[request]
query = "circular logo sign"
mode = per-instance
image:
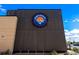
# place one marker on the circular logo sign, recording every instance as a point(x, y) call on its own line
point(39, 20)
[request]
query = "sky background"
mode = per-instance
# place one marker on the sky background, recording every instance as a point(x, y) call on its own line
point(70, 15)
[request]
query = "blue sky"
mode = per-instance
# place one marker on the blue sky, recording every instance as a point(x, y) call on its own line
point(70, 14)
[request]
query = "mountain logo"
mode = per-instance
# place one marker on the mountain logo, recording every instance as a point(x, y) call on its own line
point(40, 20)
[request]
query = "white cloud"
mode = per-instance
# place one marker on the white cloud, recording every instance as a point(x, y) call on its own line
point(0, 6)
point(75, 31)
point(2, 9)
point(76, 20)
point(72, 35)
point(65, 21)
point(67, 33)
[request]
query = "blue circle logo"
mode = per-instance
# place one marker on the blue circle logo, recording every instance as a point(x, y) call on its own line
point(40, 20)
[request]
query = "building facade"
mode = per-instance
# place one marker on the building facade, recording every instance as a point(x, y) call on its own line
point(39, 30)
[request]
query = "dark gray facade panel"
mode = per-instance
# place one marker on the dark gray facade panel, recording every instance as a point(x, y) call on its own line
point(49, 38)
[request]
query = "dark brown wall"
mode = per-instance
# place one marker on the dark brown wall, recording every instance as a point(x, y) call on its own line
point(48, 38)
